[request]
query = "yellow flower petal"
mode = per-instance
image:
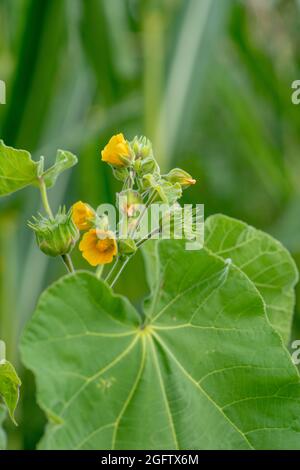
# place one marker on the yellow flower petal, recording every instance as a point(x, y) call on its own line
point(82, 215)
point(98, 247)
point(117, 151)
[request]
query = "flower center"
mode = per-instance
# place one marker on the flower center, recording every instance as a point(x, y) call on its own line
point(104, 245)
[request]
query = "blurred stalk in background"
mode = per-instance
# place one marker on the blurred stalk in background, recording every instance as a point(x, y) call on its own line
point(208, 81)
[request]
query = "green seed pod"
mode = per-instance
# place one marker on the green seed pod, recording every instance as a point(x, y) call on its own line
point(55, 237)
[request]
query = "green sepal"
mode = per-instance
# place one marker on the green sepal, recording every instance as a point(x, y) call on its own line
point(177, 175)
point(121, 173)
point(141, 147)
point(55, 237)
point(166, 192)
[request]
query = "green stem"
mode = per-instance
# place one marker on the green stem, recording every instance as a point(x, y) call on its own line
point(119, 266)
point(120, 263)
point(68, 263)
point(128, 183)
point(45, 200)
point(149, 236)
point(43, 190)
point(148, 203)
point(99, 271)
point(112, 270)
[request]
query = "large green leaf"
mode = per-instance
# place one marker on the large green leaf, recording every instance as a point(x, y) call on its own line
point(2, 433)
point(9, 386)
point(206, 371)
point(265, 261)
point(17, 169)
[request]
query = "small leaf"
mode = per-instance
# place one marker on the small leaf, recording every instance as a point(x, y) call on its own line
point(206, 370)
point(263, 259)
point(2, 433)
point(17, 169)
point(9, 387)
point(64, 161)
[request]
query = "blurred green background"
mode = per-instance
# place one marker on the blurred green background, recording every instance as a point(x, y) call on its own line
point(208, 81)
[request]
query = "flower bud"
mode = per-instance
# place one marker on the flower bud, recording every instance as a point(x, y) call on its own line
point(145, 166)
point(150, 181)
point(127, 246)
point(58, 236)
point(177, 175)
point(83, 215)
point(141, 147)
point(118, 152)
point(144, 161)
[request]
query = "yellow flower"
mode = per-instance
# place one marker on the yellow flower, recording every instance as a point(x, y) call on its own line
point(98, 247)
point(82, 215)
point(117, 151)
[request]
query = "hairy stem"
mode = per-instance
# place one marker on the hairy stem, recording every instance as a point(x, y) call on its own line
point(45, 200)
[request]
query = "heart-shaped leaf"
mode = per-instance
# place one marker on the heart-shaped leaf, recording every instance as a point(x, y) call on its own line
point(64, 161)
point(265, 261)
point(17, 169)
point(9, 386)
point(204, 369)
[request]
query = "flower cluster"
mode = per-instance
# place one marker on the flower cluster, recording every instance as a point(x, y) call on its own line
point(133, 163)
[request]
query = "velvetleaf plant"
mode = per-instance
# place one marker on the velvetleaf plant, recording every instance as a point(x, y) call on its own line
point(204, 366)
